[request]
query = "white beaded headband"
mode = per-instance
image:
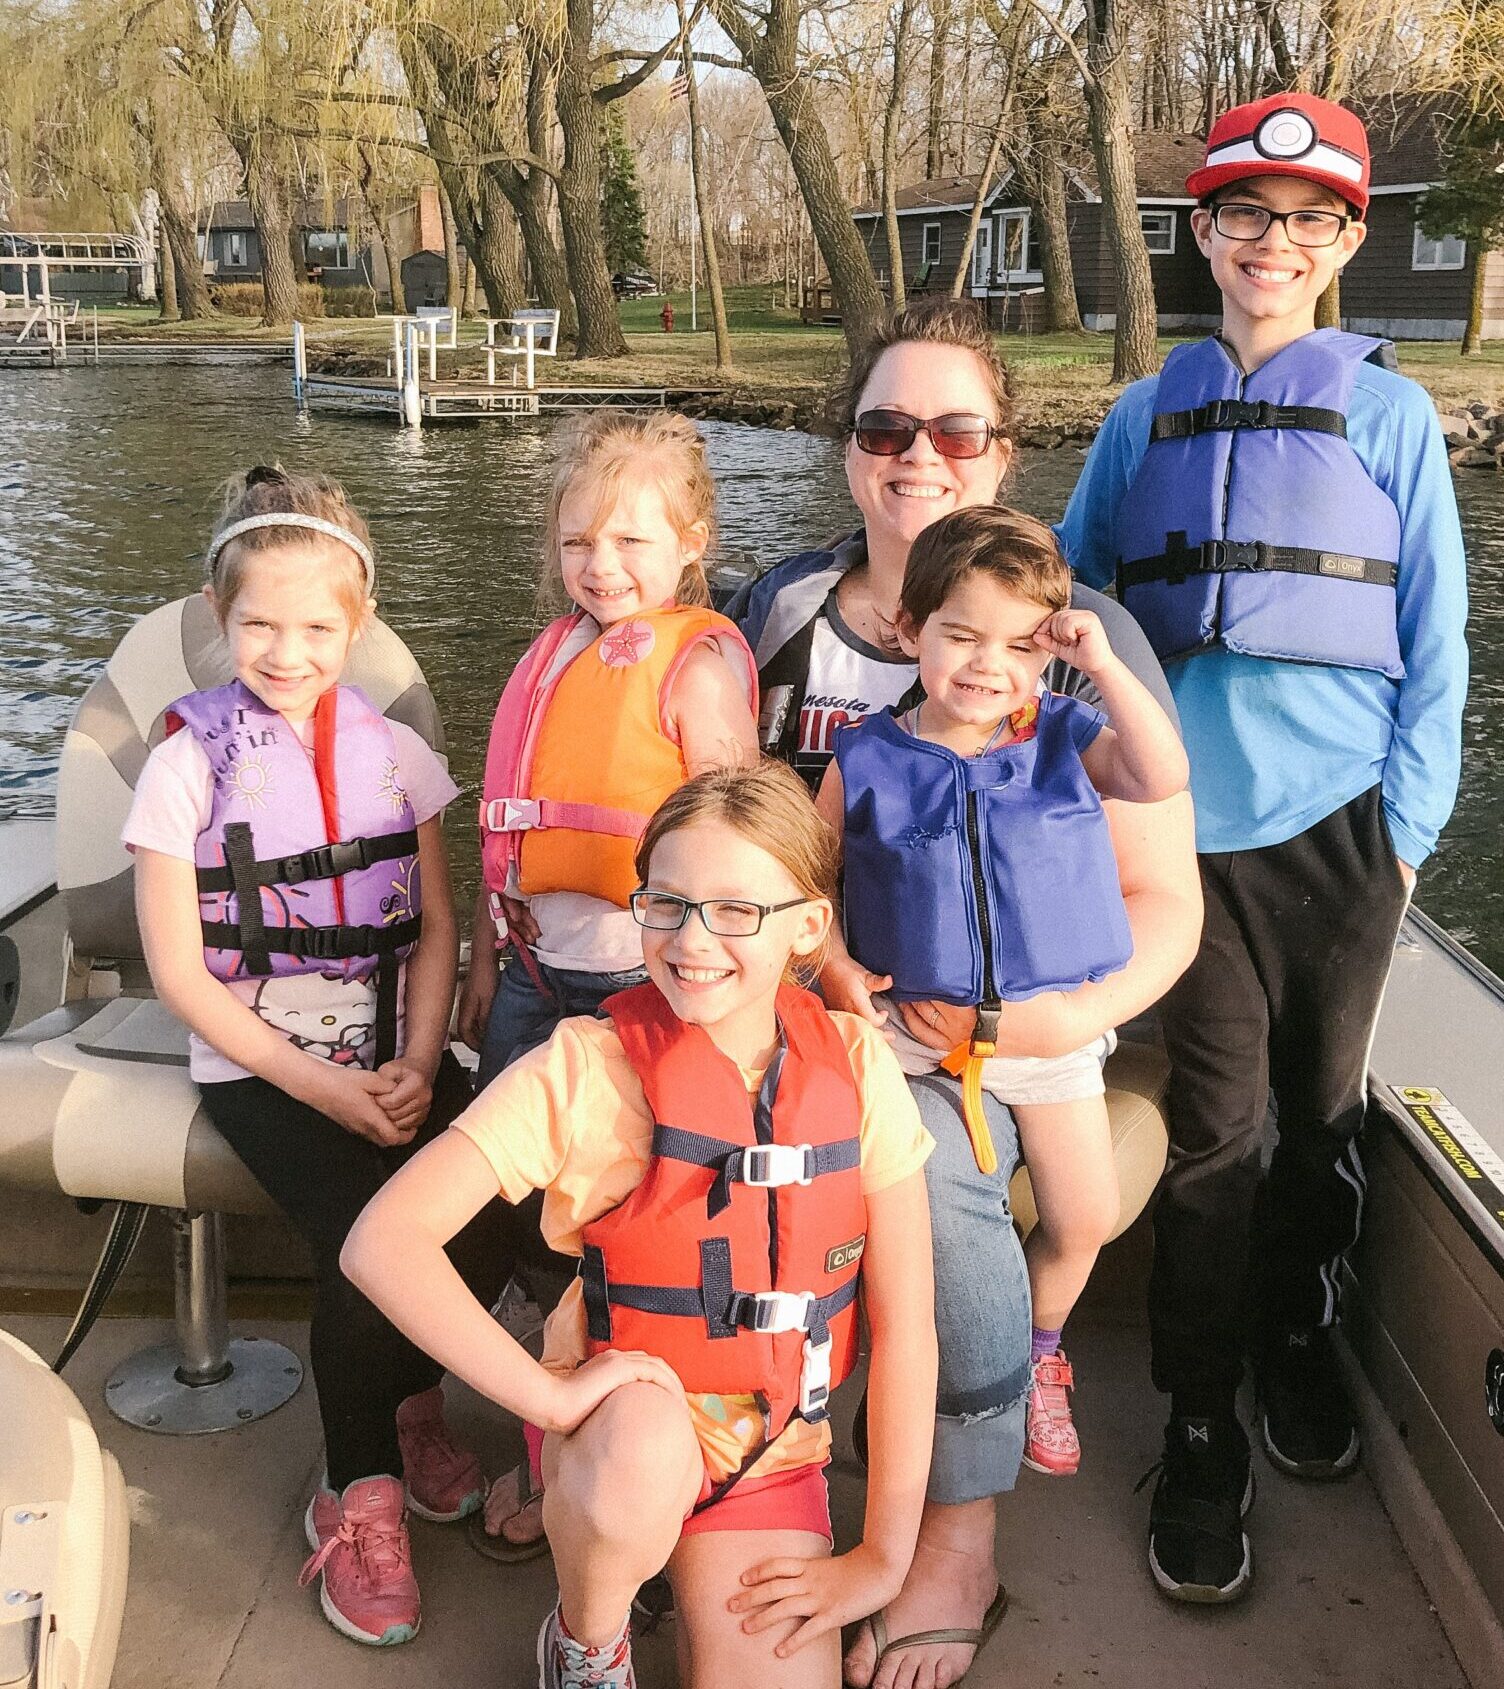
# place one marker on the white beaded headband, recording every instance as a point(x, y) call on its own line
point(293, 519)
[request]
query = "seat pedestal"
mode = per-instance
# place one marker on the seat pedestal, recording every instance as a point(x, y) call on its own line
point(206, 1380)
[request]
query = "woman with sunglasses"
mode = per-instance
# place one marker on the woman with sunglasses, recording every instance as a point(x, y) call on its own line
point(926, 412)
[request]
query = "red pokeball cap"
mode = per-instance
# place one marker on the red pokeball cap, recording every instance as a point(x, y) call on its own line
point(1287, 135)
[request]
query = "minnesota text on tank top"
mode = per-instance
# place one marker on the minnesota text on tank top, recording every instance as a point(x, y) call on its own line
point(848, 679)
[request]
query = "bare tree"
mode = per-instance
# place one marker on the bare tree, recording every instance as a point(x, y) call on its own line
point(892, 109)
point(703, 208)
point(769, 45)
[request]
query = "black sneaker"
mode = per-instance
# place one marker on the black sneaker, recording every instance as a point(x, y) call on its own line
point(1198, 1549)
point(1308, 1423)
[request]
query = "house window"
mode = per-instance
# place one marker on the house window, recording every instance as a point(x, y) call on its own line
point(235, 250)
point(929, 244)
point(1448, 253)
point(327, 249)
point(1159, 231)
point(1018, 256)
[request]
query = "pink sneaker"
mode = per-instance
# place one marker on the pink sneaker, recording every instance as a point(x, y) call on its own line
point(564, 1663)
point(360, 1545)
point(1050, 1441)
point(443, 1482)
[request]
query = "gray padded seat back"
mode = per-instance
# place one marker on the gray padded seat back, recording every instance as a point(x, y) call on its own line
point(173, 650)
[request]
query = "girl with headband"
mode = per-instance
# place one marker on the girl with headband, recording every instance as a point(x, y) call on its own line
point(294, 902)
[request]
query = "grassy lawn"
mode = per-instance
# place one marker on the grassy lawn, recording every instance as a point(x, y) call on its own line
point(1059, 380)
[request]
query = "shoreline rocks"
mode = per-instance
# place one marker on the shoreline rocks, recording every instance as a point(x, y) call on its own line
point(1474, 436)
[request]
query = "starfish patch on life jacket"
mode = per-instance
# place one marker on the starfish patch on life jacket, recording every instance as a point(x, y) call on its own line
point(627, 643)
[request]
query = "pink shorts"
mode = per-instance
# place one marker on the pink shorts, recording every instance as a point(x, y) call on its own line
point(795, 1500)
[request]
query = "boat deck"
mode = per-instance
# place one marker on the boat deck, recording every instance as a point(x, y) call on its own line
point(217, 1540)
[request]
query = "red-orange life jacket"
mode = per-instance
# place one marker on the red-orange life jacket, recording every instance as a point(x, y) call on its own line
point(737, 1257)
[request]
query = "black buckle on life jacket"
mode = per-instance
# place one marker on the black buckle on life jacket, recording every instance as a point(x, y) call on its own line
point(1233, 556)
point(325, 862)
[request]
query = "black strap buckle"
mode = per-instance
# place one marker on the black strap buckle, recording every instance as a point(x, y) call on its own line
point(325, 862)
point(1237, 556)
point(322, 944)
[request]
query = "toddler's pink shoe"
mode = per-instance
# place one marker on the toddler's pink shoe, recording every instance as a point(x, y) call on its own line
point(1050, 1441)
point(444, 1482)
point(362, 1554)
point(564, 1663)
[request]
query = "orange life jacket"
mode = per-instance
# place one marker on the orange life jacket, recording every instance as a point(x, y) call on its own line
point(582, 752)
point(737, 1258)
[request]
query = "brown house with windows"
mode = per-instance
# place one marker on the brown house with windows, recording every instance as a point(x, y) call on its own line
point(1401, 285)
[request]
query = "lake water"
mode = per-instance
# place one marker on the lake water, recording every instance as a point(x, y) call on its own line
point(107, 496)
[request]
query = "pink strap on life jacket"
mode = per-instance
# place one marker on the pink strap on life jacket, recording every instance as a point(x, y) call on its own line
point(522, 815)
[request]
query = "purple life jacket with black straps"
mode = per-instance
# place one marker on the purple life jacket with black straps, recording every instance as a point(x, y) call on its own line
point(307, 865)
point(981, 879)
point(1251, 522)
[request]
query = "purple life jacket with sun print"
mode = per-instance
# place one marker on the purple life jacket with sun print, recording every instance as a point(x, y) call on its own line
point(307, 865)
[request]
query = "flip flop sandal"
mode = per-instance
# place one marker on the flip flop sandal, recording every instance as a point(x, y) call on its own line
point(976, 1639)
point(499, 1547)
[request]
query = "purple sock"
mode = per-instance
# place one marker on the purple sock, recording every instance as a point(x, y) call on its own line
point(1044, 1343)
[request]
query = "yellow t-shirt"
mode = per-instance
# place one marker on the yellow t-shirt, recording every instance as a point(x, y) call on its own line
point(570, 1119)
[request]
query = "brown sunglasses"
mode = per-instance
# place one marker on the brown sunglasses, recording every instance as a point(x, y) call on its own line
point(886, 433)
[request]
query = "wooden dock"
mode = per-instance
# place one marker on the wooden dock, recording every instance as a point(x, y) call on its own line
point(412, 393)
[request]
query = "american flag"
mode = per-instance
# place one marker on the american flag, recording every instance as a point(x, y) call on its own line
point(678, 89)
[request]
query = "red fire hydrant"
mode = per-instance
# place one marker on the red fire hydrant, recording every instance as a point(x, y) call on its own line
point(666, 317)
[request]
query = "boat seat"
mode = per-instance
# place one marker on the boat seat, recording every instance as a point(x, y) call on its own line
point(64, 1532)
point(99, 1104)
point(1137, 1076)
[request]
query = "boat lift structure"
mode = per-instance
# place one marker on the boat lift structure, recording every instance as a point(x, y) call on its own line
point(413, 391)
point(34, 326)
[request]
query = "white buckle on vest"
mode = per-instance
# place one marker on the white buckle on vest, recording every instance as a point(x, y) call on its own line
point(814, 1379)
point(499, 916)
point(782, 1310)
point(771, 1165)
point(513, 815)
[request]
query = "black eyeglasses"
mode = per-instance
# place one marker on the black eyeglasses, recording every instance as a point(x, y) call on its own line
point(726, 917)
point(1302, 228)
point(886, 433)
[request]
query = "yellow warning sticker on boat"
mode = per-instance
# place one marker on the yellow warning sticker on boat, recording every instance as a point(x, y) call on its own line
point(1464, 1147)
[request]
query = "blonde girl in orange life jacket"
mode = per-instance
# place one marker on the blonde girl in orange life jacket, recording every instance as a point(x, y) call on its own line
point(733, 1165)
point(615, 705)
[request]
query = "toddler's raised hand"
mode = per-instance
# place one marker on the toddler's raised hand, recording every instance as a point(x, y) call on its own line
point(1076, 637)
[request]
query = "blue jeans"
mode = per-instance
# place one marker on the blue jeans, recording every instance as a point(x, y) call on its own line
point(982, 1311)
point(522, 1018)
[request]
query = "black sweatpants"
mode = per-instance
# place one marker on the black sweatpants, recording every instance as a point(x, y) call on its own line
point(321, 1176)
point(1282, 996)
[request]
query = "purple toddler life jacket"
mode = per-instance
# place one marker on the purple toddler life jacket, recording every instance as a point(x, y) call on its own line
point(1252, 523)
point(306, 866)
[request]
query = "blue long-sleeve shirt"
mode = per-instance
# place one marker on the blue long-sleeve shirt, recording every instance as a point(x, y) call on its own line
point(1276, 747)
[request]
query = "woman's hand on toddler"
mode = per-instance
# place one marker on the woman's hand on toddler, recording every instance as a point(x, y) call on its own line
point(576, 1395)
point(825, 1592)
point(939, 1026)
point(353, 1097)
point(846, 984)
point(1077, 637)
point(411, 1095)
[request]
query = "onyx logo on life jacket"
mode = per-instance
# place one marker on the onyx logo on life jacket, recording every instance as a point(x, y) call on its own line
point(845, 1254)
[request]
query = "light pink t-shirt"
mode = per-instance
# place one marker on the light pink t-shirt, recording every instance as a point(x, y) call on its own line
point(329, 1017)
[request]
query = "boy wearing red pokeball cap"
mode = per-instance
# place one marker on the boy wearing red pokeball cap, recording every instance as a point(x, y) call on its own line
point(1277, 510)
